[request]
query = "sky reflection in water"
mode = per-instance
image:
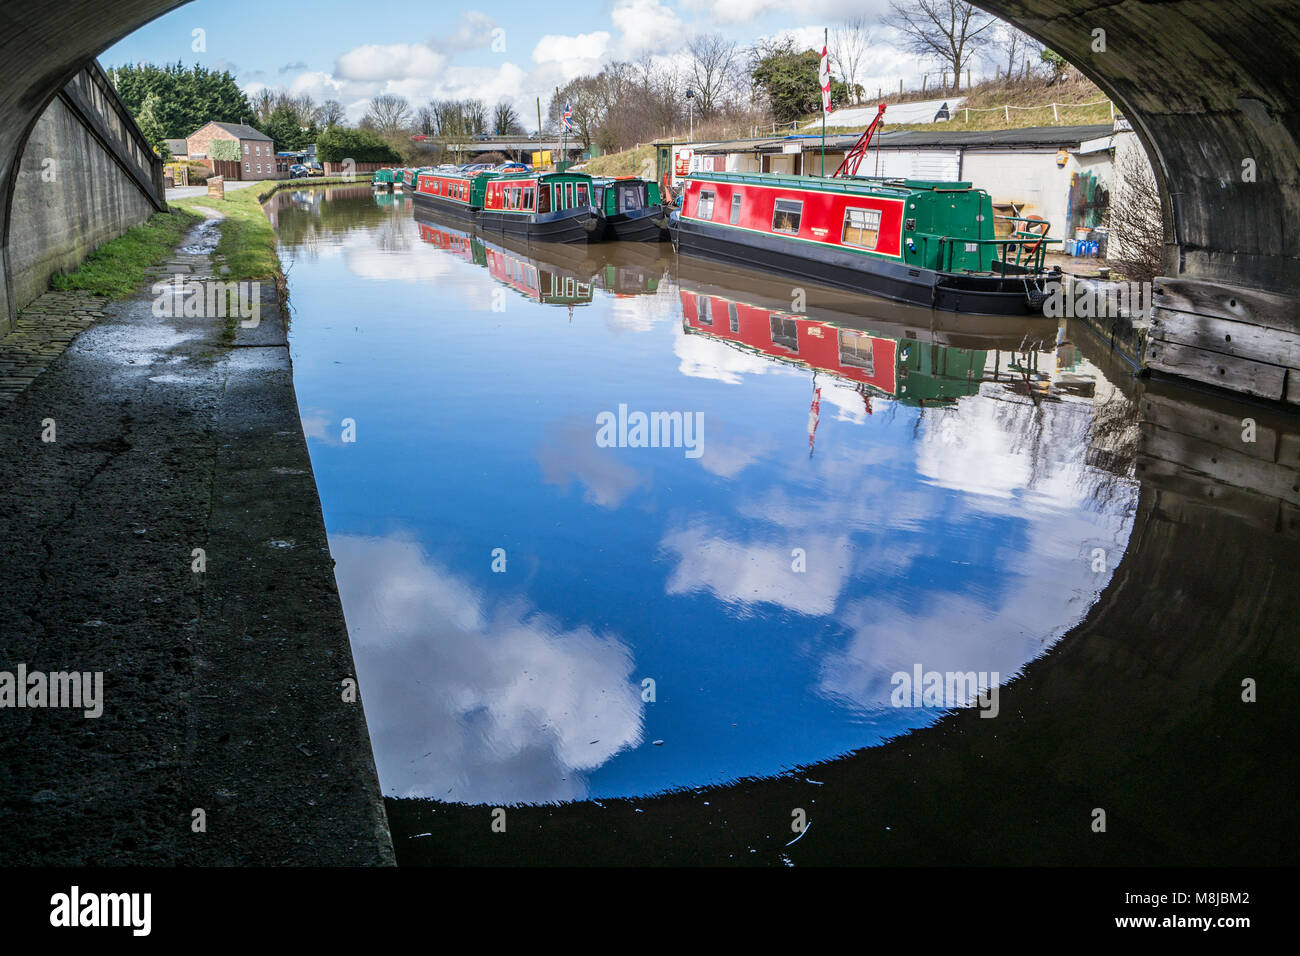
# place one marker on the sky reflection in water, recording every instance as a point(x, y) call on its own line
point(958, 534)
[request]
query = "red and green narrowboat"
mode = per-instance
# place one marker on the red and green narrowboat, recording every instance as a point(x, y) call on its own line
point(409, 177)
point(630, 209)
point(930, 243)
point(458, 194)
point(544, 207)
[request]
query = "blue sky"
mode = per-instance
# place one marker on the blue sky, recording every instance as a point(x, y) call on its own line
point(511, 50)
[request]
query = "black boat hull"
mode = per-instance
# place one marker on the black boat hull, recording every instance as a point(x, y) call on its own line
point(445, 207)
point(949, 292)
point(580, 224)
point(643, 225)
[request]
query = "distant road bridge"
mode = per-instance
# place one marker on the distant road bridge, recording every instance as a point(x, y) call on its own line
point(1211, 88)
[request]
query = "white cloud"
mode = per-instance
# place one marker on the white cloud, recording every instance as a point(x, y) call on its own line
point(391, 62)
point(646, 26)
point(583, 48)
point(471, 704)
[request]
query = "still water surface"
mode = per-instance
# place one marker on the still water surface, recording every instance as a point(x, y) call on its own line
point(536, 617)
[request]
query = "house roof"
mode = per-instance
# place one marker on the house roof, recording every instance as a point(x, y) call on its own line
point(239, 131)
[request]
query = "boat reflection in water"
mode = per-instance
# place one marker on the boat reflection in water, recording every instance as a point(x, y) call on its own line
point(549, 273)
point(960, 483)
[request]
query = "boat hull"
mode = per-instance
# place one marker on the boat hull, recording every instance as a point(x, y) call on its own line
point(949, 292)
point(579, 224)
point(445, 207)
point(643, 225)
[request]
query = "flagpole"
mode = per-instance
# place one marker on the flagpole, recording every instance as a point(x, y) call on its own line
point(826, 39)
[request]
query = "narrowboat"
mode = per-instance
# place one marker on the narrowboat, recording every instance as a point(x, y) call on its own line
point(542, 207)
point(409, 176)
point(457, 194)
point(382, 179)
point(929, 243)
point(630, 209)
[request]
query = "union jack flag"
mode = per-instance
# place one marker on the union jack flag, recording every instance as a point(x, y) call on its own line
point(568, 118)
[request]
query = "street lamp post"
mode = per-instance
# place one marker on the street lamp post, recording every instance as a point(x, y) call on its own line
point(690, 109)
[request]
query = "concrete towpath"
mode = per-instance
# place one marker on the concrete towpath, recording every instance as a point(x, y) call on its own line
point(229, 732)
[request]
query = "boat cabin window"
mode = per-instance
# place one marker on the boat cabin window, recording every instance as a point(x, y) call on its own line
point(528, 198)
point(582, 195)
point(704, 209)
point(785, 333)
point(631, 197)
point(733, 317)
point(861, 228)
point(544, 198)
point(568, 195)
point(857, 351)
point(735, 209)
point(786, 216)
point(704, 309)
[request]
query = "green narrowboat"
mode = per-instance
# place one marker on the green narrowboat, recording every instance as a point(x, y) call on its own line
point(383, 178)
point(630, 209)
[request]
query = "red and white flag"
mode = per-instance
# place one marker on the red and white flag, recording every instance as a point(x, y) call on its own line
point(824, 74)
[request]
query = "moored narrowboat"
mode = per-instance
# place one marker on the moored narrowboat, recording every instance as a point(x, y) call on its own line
point(630, 209)
point(459, 194)
point(544, 207)
point(931, 243)
point(382, 179)
point(409, 177)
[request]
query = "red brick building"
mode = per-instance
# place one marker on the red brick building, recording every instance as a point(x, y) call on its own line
point(256, 151)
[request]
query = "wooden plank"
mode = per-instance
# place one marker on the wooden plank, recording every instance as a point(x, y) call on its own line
point(1288, 449)
point(1289, 521)
point(1221, 301)
point(1258, 511)
point(1211, 425)
point(1225, 371)
point(1229, 467)
point(1229, 337)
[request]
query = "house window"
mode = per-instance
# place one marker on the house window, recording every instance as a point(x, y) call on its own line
point(735, 209)
point(248, 167)
point(245, 149)
point(786, 216)
point(704, 209)
point(861, 228)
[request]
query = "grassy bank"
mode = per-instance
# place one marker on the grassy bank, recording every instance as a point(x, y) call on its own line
point(117, 268)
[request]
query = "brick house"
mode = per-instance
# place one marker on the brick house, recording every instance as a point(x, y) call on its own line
point(257, 158)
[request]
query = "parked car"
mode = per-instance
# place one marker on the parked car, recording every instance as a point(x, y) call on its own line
point(299, 171)
point(315, 169)
point(513, 168)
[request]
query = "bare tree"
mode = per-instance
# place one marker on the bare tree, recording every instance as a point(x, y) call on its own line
point(849, 42)
point(263, 102)
point(332, 113)
point(950, 31)
point(1137, 235)
point(505, 121)
point(712, 71)
point(388, 114)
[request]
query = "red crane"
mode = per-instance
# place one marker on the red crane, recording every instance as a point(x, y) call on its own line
point(853, 158)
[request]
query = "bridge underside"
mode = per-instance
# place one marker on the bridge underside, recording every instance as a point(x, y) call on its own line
point(1212, 87)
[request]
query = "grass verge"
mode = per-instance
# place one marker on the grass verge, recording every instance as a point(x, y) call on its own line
point(117, 268)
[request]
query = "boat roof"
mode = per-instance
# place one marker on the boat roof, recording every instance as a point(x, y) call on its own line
point(863, 185)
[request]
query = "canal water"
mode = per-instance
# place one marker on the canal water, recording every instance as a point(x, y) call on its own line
point(847, 496)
